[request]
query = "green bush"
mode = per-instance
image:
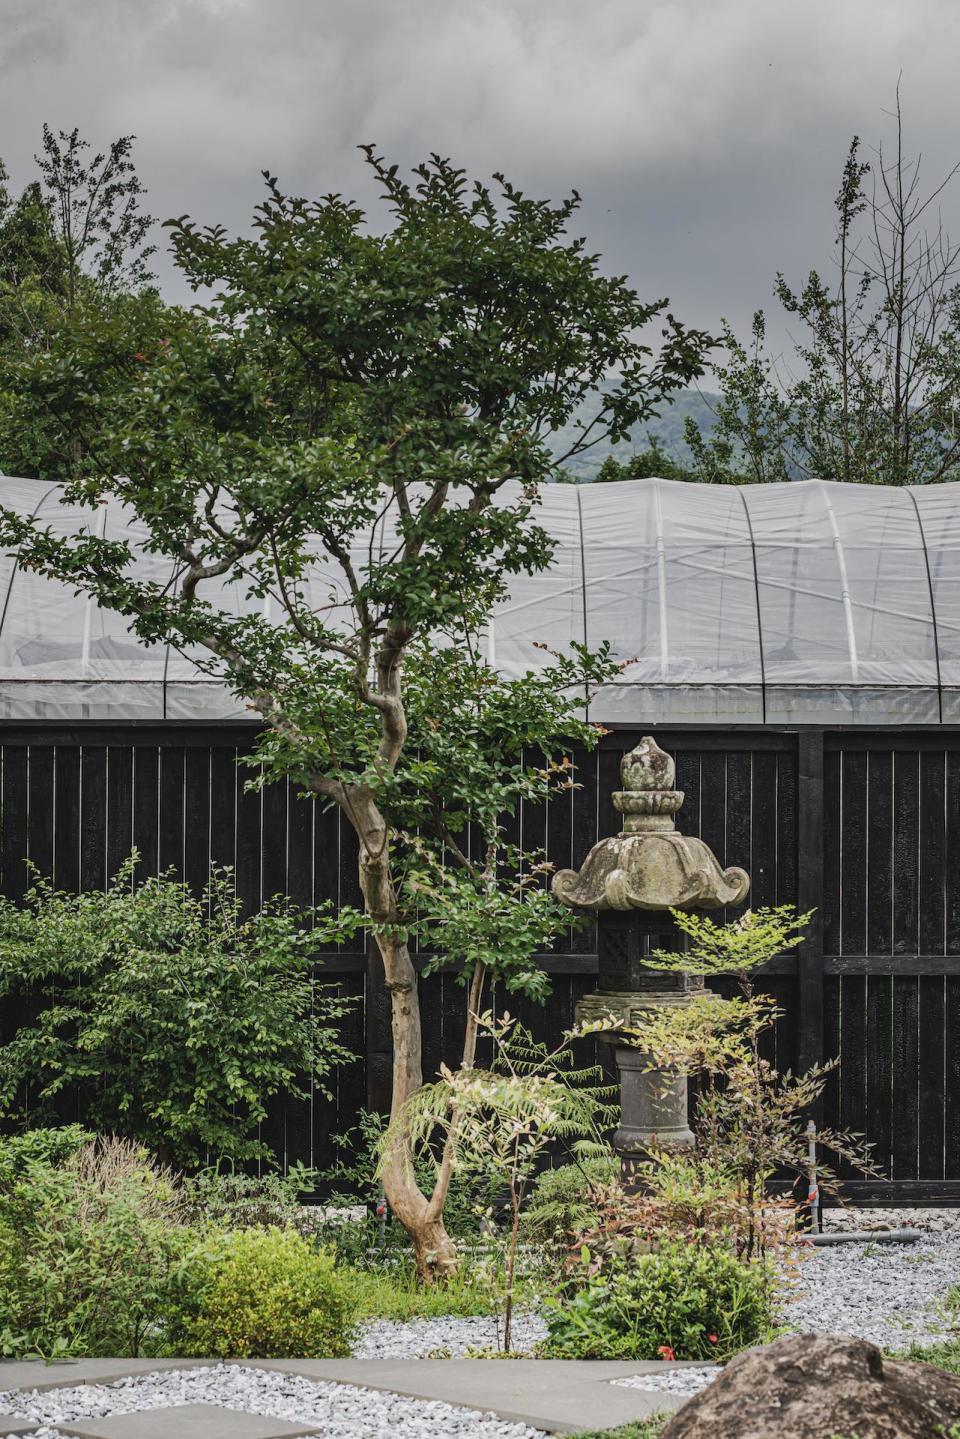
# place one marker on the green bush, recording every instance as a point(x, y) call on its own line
point(178, 1016)
point(681, 1301)
point(45, 1146)
point(262, 1294)
point(561, 1205)
point(88, 1251)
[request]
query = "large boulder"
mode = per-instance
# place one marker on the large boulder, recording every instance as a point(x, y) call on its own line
point(821, 1386)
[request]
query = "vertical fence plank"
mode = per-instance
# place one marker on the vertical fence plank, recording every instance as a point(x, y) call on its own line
point(932, 852)
point(223, 807)
point(931, 1056)
point(66, 817)
point(13, 822)
point(196, 816)
point(879, 852)
point(880, 1069)
point(906, 1064)
point(906, 851)
point(119, 825)
point(92, 829)
point(146, 802)
point(762, 862)
point(853, 877)
point(853, 1057)
point(810, 896)
point(951, 1096)
point(170, 823)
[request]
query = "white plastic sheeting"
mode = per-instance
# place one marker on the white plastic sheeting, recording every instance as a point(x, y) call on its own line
point(797, 603)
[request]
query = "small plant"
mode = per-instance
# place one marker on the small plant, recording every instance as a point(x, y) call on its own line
point(505, 1118)
point(179, 1017)
point(568, 1199)
point(679, 1301)
point(262, 1294)
point(749, 1120)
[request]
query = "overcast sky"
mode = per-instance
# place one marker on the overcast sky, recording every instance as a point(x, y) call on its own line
point(706, 136)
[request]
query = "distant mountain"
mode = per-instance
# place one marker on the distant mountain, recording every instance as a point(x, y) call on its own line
point(666, 429)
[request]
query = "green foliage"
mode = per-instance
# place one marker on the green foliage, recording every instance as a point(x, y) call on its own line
point(18, 1152)
point(562, 1201)
point(178, 1017)
point(88, 1252)
point(715, 949)
point(393, 1291)
point(697, 1301)
point(944, 1356)
point(74, 252)
point(231, 1199)
point(679, 1197)
point(262, 1294)
point(353, 428)
point(653, 462)
point(749, 1120)
point(502, 1120)
point(650, 1428)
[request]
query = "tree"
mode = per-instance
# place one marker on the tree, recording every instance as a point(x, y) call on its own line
point(74, 238)
point(352, 429)
point(870, 392)
point(653, 462)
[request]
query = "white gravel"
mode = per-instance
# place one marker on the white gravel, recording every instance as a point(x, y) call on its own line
point(418, 1338)
point(340, 1411)
point(891, 1294)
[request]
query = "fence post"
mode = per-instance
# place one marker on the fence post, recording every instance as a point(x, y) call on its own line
point(810, 895)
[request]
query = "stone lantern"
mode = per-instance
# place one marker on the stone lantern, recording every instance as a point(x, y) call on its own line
point(630, 881)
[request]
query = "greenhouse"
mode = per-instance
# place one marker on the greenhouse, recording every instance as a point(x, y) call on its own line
point(806, 603)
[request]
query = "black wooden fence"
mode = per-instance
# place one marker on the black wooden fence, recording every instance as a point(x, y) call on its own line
point(862, 826)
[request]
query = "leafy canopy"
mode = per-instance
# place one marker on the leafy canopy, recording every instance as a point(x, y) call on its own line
point(352, 427)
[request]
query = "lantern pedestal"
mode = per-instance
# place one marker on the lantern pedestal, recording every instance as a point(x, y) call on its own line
point(629, 881)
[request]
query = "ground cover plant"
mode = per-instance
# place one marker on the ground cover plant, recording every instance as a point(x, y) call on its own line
point(402, 376)
point(175, 1016)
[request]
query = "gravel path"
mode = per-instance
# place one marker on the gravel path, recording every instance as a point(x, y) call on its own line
point(418, 1338)
point(339, 1410)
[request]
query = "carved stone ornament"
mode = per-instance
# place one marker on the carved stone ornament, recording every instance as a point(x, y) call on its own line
point(650, 865)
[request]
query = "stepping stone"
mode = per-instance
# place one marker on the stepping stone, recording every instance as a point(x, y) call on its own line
point(186, 1421)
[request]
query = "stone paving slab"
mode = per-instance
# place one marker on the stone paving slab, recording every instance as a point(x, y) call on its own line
point(64, 1374)
point(186, 1421)
point(561, 1396)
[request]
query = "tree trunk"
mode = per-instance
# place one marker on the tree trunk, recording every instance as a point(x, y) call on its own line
point(435, 1252)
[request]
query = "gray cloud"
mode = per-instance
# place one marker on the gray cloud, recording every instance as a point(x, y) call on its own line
point(706, 137)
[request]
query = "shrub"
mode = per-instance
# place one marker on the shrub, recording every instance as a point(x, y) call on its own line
point(680, 1197)
point(88, 1250)
point(564, 1200)
point(263, 1294)
point(45, 1146)
point(681, 1301)
point(178, 1016)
